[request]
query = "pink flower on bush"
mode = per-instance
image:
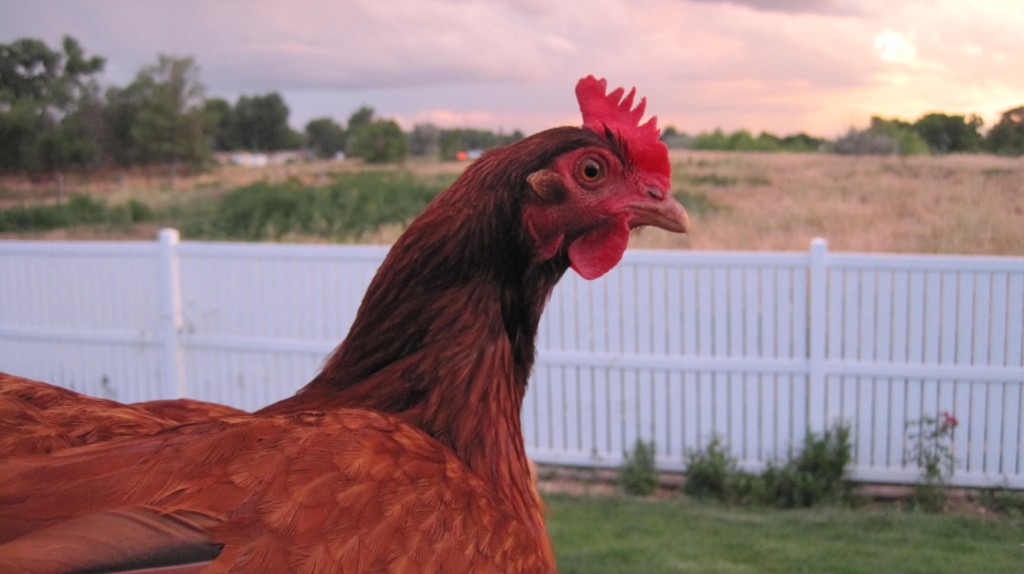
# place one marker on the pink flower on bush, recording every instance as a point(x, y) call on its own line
point(949, 421)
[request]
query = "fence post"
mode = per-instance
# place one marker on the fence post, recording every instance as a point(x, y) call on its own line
point(171, 360)
point(817, 334)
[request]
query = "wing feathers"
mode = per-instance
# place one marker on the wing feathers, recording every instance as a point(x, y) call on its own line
point(281, 495)
point(114, 541)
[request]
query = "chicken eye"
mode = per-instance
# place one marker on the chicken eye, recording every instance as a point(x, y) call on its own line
point(590, 170)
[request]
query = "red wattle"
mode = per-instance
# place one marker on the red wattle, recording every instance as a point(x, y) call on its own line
point(594, 253)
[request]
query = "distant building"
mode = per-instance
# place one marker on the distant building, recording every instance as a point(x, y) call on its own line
point(259, 159)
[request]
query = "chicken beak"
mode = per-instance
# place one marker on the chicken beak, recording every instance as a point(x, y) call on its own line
point(666, 213)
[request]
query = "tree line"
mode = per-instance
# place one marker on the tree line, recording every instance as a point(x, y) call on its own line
point(55, 115)
point(933, 133)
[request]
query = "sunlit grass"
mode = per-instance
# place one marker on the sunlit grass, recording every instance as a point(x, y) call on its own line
point(921, 204)
point(605, 534)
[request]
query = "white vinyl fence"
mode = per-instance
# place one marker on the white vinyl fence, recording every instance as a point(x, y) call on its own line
point(674, 347)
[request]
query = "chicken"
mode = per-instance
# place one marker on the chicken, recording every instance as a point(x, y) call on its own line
point(405, 453)
point(36, 417)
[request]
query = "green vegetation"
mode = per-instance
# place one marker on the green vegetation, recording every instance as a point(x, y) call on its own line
point(638, 475)
point(380, 141)
point(742, 140)
point(931, 449)
point(1007, 136)
point(709, 472)
point(325, 137)
point(78, 210)
point(933, 133)
point(348, 206)
point(814, 476)
point(1004, 501)
point(599, 534)
point(49, 103)
point(351, 205)
point(158, 118)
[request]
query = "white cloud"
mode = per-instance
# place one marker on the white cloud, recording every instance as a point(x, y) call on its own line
point(895, 47)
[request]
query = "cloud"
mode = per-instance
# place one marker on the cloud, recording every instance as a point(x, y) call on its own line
point(782, 65)
point(895, 47)
point(825, 7)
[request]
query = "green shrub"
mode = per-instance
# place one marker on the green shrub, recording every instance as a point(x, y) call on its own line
point(931, 448)
point(749, 489)
point(708, 472)
point(77, 210)
point(638, 474)
point(1003, 501)
point(816, 475)
point(351, 205)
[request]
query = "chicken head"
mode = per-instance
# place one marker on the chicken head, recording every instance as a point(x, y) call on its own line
point(589, 199)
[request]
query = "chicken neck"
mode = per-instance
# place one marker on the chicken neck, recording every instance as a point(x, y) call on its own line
point(445, 336)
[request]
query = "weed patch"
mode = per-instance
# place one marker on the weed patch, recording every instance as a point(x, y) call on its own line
point(638, 475)
point(78, 210)
point(348, 207)
point(814, 476)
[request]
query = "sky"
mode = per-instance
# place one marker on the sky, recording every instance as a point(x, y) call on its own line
point(784, 66)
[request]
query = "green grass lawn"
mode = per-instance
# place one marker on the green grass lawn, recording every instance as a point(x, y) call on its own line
point(596, 534)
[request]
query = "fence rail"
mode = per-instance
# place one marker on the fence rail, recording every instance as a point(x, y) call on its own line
point(674, 347)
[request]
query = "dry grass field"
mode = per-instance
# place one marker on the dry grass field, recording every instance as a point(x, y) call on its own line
point(737, 201)
point(952, 204)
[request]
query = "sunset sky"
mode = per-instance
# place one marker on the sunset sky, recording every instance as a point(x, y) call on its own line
point(819, 66)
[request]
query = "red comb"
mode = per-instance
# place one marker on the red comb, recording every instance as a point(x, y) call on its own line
point(613, 113)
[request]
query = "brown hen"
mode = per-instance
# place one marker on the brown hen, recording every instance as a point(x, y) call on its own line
point(405, 454)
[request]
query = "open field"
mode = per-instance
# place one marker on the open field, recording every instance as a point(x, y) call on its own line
point(738, 201)
point(952, 204)
point(614, 533)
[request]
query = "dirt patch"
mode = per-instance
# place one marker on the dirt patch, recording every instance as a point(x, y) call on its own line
point(603, 482)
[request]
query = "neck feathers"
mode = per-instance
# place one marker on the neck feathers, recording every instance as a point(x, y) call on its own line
point(445, 335)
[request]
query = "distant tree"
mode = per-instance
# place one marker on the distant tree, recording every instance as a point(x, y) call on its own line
point(78, 138)
point(380, 141)
point(802, 142)
point(908, 141)
point(49, 105)
point(19, 127)
point(217, 122)
point(716, 140)
point(359, 118)
point(260, 123)
point(950, 134)
point(866, 142)
point(295, 140)
point(883, 137)
point(160, 117)
point(480, 140)
point(424, 140)
point(325, 137)
point(740, 140)
point(1007, 136)
point(450, 144)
